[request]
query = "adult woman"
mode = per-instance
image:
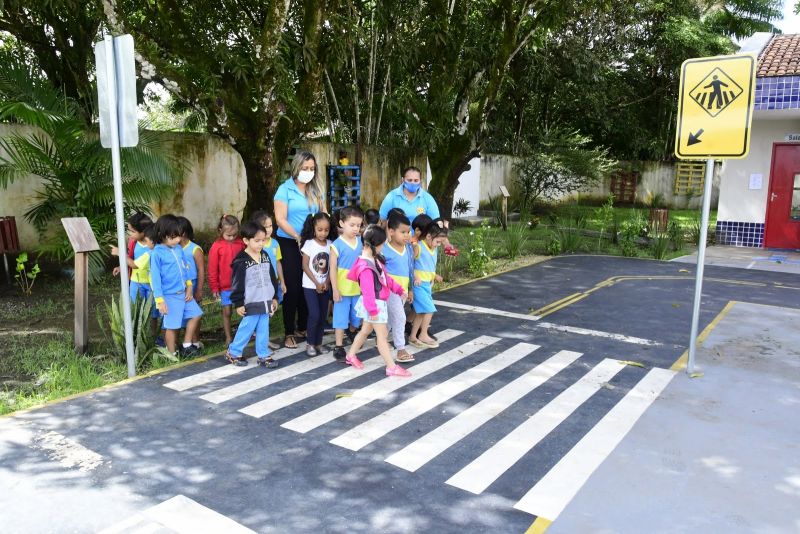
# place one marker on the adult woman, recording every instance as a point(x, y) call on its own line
point(410, 197)
point(296, 198)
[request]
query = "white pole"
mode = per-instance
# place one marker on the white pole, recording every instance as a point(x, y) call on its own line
point(701, 258)
point(111, 76)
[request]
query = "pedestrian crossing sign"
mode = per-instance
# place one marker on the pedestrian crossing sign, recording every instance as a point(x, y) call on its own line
point(715, 107)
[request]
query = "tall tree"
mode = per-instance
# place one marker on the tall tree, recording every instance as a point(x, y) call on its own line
point(250, 66)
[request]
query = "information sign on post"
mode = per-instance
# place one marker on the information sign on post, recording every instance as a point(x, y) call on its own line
point(116, 92)
point(83, 241)
point(715, 112)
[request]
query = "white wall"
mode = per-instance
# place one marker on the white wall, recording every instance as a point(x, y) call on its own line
point(737, 202)
point(469, 187)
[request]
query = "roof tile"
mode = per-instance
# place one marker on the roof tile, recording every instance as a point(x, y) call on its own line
point(781, 57)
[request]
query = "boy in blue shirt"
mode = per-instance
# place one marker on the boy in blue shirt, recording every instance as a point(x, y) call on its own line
point(344, 253)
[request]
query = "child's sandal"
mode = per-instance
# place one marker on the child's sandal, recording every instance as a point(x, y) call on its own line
point(268, 362)
point(290, 342)
point(238, 361)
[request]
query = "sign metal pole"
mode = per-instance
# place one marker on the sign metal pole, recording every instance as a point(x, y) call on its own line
point(701, 258)
point(111, 78)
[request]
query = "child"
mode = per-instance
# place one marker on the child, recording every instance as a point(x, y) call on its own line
point(425, 257)
point(316, 251)
point(372, 216)
point(172, 287)
point(419, 224)
point(344, 253)
point(264, 219)
point(195, 260)
point(220, 257)
point(136, 224)
point(255, 299)
point(400, 266)
point(140, 271)
point(375, 289)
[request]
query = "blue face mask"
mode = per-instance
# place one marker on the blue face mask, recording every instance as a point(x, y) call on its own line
point(412, 188)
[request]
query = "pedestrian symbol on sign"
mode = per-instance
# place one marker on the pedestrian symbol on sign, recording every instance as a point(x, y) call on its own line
point(715, 92)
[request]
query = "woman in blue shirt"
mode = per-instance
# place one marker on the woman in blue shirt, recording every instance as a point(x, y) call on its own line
point(410, 197)
point(296, 198)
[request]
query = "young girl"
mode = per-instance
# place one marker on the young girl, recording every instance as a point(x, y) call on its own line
point(400, 266)
point(370, 272)
point(254, 294)
point(196, 262)
point(220, 257)
point(136, 224)
point(316, 251)
point(425, 257)
point(172, 287)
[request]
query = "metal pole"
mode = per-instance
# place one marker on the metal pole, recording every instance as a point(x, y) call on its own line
point(111, 76)
point(701, 258)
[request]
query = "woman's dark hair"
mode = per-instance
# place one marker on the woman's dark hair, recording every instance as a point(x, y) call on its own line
point(311, 222)
point(227, 220)
point(374, 236)
point(372, 216)
point(151, 234)
point(250, 229)
point(186, 228)
point(167, 226)
point(350, 211)
point(139, 221)
point(409, 169)
point(259, 216)
point(396, 219)
point(433, 230)
point(421, 222)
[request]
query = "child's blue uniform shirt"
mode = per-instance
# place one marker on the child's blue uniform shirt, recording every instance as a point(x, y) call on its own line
point(168, 271)
point(399, 265)
point(188, 254)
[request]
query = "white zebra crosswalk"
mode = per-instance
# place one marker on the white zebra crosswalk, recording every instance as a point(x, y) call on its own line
point(500, 373)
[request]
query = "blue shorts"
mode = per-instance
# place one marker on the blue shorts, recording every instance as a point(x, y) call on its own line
point(137, 290)
point(344, 313)
point(423, 298)
point(225, 297)
point(179, 310)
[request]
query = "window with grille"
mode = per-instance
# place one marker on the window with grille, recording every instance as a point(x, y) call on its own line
point(689, 177)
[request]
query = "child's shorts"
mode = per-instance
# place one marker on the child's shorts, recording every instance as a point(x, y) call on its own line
point(179, 310)
point(225, 297)
point(344, 312)
point(139, 290)
point(361, 311)
point(423, 298)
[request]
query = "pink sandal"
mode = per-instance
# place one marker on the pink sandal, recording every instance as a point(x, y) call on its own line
point(397, 371)
point(352, 359)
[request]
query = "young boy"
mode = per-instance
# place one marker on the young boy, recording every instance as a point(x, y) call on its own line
point(254, 292)
point(400, 266)
point(344, 253)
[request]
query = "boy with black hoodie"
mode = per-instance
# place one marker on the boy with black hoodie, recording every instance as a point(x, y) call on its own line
point(254, 290)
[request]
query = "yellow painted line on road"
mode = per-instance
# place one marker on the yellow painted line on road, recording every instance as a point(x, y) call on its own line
point(680, 363)
point(543, 309)
point(539, 526)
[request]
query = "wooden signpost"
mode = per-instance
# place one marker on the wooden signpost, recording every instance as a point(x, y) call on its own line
point(504, 214)
point(83, 241)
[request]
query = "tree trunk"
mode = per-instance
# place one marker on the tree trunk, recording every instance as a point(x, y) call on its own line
point(261, 178)
point(447, 162)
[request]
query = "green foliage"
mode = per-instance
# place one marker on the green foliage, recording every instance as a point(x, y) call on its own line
point(695, 230)
point(659, 246)
point(514, 239)
point(478, 259)
point(606, 216)
point(630, 230)
point(112, 324)
point(24, 277)
point(676, 234)
point(461, 206)
point(655, 200)
point(562, 162)
point(74, 169)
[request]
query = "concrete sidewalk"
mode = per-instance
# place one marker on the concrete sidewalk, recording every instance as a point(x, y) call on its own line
point(774, 260)
point(718, 453)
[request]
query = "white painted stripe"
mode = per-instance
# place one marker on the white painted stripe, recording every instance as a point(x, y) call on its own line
point(380, 425)
point(489, 311)
point(324, 383)
point(205, 377)
point(180, 515)
point(555, 490)
point(484, 470)
point(599, 333)
point(241, 388)
point(382, 388)
point(428, 447)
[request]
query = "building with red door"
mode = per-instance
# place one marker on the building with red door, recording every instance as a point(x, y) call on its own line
point(759, 199)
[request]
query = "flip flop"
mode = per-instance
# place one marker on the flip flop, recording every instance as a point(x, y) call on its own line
point(405, 358)
point(290, 342)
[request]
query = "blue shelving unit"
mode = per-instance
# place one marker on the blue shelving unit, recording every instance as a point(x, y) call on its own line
point(344, 186)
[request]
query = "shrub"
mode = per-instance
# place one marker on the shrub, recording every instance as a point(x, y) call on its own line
point(477, 258)
point(461, 206)
point(515, 238)
point(659, 246)
point(676, 235)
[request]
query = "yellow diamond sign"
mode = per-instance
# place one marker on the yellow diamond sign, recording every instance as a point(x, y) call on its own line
point(715, 107)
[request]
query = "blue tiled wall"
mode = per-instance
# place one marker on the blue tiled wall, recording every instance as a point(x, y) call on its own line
point(740, 234)
point(779, 92)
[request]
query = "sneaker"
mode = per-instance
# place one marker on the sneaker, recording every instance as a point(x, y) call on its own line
point(353, 360)
point(339, 353)
point(192, 351)
point(267, 362)
point(311, 351)
point(397, 371)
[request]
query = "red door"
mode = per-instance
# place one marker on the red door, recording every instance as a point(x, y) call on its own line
point(783, 201)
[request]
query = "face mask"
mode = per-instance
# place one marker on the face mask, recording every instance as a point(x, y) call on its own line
point(305, 176)
point(412, 188)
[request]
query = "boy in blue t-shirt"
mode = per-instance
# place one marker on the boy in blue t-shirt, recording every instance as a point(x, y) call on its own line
point(344, 253)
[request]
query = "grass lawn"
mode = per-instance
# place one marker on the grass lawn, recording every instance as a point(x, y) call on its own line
point(37, 362)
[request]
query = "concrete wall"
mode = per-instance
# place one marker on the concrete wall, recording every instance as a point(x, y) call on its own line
point(380, 166)
point(214, 183)
point(737, 201)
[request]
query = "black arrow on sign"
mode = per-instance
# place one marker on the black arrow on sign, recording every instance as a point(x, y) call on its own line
point(695, 138)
